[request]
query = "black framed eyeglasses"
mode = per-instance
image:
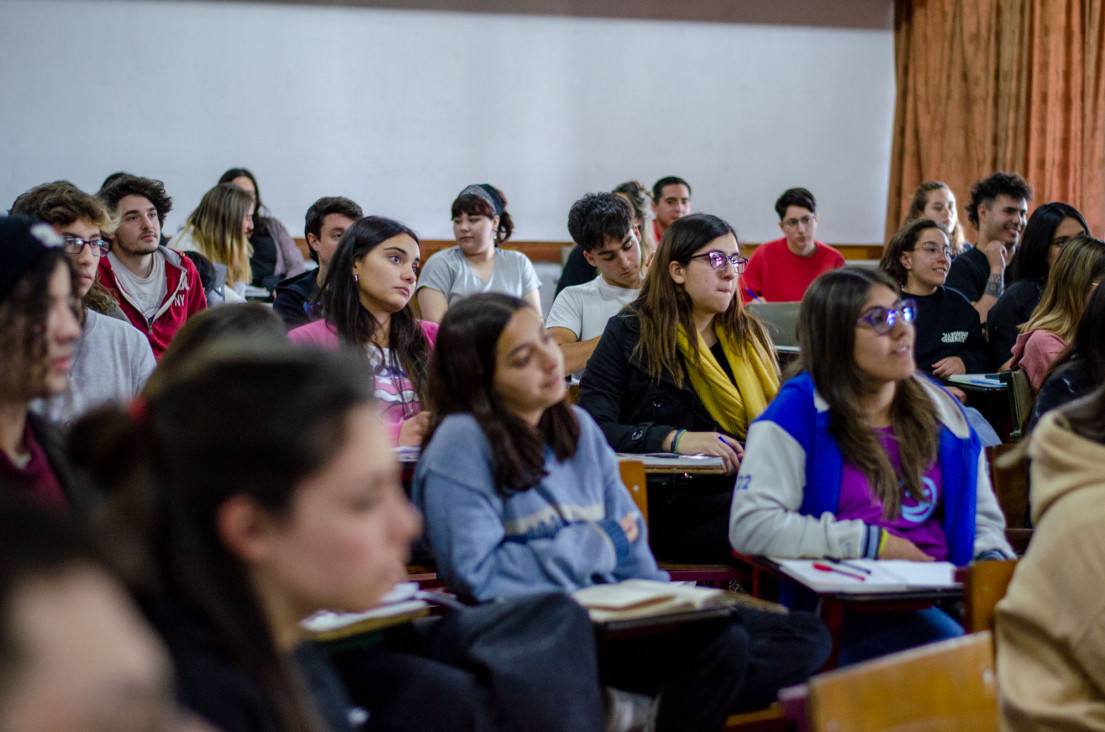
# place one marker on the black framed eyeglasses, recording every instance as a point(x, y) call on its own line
point(75, 244)
point(717, 260)
point(882, 320)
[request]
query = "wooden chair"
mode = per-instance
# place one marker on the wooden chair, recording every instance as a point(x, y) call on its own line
point(1009, 477)
point(636, 481)
point(948, 686)
point(1020, 400)
point(984, 584)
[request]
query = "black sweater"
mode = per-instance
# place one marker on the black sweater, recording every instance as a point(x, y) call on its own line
point(948, 325)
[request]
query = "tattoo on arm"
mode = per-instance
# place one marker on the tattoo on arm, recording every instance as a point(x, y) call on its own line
point(995, 285)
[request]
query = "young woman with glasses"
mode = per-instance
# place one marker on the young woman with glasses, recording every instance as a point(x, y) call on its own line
point(859, 456)
point(949, 333)
point(685, 369)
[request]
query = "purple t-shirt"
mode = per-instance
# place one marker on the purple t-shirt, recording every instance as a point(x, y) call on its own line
point(919, 519)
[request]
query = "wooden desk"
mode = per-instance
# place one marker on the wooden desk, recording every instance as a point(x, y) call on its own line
point(669, 463)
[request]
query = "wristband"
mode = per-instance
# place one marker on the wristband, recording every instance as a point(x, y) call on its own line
point(882, 543)
point(675, 442)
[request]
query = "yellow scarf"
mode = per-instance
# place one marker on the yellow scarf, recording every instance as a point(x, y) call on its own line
point(753, 369)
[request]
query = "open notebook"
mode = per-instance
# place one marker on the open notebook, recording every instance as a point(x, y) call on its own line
point(639, 598)
point(866, 576)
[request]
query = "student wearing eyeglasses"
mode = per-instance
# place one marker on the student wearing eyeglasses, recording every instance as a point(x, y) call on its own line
point(781, 270)
point(860, 456)
point(949, 333)
point(685, 369)
point(111, 359)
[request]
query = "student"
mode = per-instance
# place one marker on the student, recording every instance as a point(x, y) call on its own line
point(1080, 368)
point(366, 303)
point(1049, 228)
point(998, 209)
point(1050, 649)
point(577, 271)
point(522, 495)
point(111, 359)
point(671, 201)
point(858, 456)
point(157, 288)
point(685, 369)
point(481, 226)
point(601, 224)
point(326, 221)
point(257, 477)
point(219, 229)
point(934, 200)
point(275, 256)
point(38, 335)
point(949, 336)
point(77, 653)
point(781, 270)
point(1078, 269)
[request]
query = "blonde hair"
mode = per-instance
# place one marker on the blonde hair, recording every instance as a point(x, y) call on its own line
point(217, 230)
point(1080, 263)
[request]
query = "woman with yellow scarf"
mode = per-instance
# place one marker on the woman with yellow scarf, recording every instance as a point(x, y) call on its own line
point(684, 369)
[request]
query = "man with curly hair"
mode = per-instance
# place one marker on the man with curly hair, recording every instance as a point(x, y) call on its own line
point(158, 288)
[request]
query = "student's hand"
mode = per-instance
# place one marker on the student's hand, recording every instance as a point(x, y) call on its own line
point(898, 548)
point(996, 253)
point(957, 393)
point(412, 430)
point(712, 443)
point(949, 366)
point(629, 526)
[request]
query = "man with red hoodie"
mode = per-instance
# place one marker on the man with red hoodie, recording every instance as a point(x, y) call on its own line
point(158, 288)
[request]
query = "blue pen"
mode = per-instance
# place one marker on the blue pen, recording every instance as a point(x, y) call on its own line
point(752, 294)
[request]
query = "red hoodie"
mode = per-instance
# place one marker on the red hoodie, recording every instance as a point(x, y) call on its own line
point(184, 299)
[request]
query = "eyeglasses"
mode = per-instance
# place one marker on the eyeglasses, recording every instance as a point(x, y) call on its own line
point(883, 320)
point(931, 250)
point(804, 222)
point(75, 244)
point(718, 259)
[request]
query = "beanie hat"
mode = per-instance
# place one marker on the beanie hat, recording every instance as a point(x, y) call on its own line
point(23, 244)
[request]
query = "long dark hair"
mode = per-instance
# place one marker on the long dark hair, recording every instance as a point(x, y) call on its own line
point(663, 304)
point(827, 340)
point(462, 374)
point(238, 419)
point(1030, 259)
point(341, 302)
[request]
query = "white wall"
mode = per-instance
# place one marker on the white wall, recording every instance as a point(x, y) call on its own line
point(400, 109)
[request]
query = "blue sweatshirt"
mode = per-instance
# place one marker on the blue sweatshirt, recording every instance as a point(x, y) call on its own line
point(562, 534)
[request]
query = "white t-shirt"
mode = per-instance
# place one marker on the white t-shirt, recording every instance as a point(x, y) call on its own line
point(584, 309)
point(449, 273)
point(147, 293)
point(112, 361)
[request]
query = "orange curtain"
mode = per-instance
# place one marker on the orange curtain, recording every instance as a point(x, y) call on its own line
point(1015, 85)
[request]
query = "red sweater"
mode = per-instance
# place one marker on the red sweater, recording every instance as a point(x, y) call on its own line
point(776, 274)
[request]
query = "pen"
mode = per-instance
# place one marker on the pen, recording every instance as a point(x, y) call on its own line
point(752, 294)
point(827, 568)
point(842, 563)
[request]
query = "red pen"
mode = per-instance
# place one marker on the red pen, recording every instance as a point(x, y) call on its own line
point(827, 568)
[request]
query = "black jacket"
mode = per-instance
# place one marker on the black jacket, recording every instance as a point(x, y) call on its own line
point(634, 413)
point(1012, 309)
point(947, 325)
point(293, 299)
point(1069, 382)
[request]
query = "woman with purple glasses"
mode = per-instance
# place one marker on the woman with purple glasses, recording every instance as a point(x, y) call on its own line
point(859, 456)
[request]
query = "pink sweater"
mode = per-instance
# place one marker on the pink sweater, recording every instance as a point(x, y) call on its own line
point(1034, 352)
point(321, 333)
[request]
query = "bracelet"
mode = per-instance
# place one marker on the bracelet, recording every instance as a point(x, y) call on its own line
point(675, 442)
point(882, 542)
